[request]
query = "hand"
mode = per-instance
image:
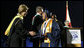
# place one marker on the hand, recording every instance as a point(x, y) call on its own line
point(32, 33)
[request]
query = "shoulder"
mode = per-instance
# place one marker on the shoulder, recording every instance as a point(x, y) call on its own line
point(54, 23)
point(17, 20)
point(38, 17)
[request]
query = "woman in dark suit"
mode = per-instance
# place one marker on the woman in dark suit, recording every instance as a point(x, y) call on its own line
point(16, 32)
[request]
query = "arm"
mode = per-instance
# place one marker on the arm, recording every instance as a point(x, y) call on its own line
point(19, 29)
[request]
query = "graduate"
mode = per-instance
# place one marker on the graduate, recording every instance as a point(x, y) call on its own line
point(16, 32)
point(51, 30)
point(36, 23)
point(63, 32)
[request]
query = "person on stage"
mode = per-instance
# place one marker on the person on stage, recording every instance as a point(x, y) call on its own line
point(51, 32)
point(16, 32)
point(36, 24)
point(63, 32)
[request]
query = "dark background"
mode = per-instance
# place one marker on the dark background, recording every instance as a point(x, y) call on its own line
point(9, 10)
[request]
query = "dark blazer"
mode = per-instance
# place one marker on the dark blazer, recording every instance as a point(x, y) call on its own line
point(37, 22)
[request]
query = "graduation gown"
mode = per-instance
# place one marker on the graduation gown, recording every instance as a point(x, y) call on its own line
point(36, 24)
point(63, 34)
point(52, 34)
point(16, 32)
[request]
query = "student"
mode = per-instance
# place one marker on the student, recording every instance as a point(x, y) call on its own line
point(51, 30)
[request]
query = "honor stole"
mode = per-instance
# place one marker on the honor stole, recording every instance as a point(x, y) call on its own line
point(11, 23)
point(46, 28)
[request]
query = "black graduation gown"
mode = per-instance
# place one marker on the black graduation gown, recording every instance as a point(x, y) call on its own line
point(36, 27)
point(63, 34)
point(17, 34)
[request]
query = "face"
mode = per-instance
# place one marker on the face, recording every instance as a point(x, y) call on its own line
point(41, 11)
point(52, 17)
point(44, 16)
point(67, 23)
point(24, 13)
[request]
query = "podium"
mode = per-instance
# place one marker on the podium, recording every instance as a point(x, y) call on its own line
point(73, 37)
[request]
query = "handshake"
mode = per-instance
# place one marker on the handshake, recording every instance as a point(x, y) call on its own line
point(32, 33)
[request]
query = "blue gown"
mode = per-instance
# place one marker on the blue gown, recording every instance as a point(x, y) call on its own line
point(54, 36)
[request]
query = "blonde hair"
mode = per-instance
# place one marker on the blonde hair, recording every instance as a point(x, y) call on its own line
point(22, 8)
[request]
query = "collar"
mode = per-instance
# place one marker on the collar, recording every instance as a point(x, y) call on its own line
point(37, 14)
point(20, 15)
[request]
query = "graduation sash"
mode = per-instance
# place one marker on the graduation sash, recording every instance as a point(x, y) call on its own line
point(34, 18)
point(47, 28)
point(11, 23)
